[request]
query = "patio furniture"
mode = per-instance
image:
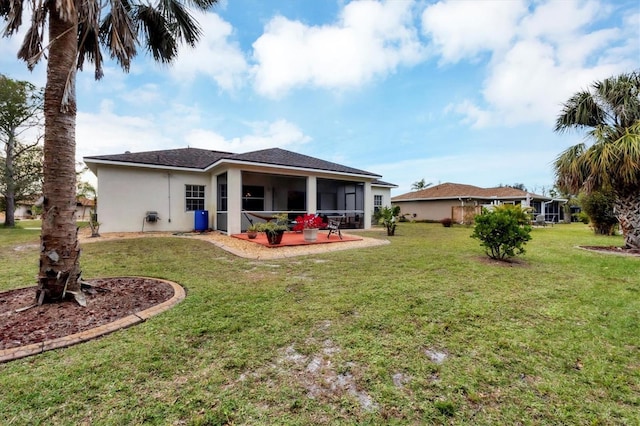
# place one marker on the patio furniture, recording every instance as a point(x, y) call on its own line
point(334, 226)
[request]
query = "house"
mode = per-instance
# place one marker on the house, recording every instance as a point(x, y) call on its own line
point(25, 208)
point(462, 202)
point(190, 188)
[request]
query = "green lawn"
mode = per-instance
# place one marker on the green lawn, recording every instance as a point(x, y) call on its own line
point(424, 330)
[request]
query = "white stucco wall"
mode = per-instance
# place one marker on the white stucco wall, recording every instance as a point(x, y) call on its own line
point(384, 191)
point(126, 194)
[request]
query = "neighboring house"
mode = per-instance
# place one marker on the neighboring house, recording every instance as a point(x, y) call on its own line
point(184, 188)
point(24, 209)
point(84, 207)
point(461, 202)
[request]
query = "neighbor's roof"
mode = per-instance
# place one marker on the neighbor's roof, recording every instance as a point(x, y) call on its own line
point(450, 190)
point(195, 158)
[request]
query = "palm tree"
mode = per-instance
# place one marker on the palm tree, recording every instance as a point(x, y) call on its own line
point(610, 112)
point(419, 185)
point(77, 32)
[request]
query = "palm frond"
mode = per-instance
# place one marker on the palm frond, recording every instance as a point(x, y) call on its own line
point(118, 33)
point(621, 96)
point(31, 49)
point(581, 110)
point(569, 170)
point(89, 36)
point(184, 26)
point(11, 10)
point(627, 171)
point(156, 33)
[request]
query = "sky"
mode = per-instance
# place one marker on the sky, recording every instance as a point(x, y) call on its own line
point(445, 91)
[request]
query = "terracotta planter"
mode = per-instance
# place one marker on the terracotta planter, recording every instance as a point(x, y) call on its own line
point(252, 235)
point(310, 235)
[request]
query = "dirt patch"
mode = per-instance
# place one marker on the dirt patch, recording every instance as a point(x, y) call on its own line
point(112, 299)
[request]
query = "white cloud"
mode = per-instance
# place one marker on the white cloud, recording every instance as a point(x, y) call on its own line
point(463, 29)
point(280, 133)
point(370, 39)
point(538, 59)
point(214, 55)
point(107, 132)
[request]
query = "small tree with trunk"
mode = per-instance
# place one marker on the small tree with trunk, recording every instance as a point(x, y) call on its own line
point(21, 105)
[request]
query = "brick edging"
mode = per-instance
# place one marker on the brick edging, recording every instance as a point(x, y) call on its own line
point(83, 336)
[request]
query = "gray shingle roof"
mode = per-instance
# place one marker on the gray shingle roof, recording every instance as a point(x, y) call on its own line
point(196, 158)
point(193, 158)
point(282, 157)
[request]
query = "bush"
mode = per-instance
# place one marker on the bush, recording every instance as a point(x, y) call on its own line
point(446, 222)
point(388, 217)
point(598, 205)
point(501, 232)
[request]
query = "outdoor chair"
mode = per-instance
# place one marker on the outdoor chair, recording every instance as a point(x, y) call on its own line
point(334, 227)
point(540, 220)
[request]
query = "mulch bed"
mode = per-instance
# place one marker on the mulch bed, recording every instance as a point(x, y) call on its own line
point(116, 298)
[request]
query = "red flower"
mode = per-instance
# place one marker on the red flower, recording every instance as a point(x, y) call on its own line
point(308, 221)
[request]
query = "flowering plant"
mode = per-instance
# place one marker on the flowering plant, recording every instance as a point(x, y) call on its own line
point(308, 221)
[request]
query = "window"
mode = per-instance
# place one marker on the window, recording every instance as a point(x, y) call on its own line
point(377, 202)
point(194, 197)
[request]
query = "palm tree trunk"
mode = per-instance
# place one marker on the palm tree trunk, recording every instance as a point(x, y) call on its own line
point(628, 213)
point(60, 253)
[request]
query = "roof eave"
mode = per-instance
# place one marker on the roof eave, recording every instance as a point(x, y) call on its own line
point(285, 167)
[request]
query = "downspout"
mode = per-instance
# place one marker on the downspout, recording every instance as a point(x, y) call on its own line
point(169, 189)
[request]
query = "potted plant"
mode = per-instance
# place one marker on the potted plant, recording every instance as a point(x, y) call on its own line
point(252, 231)
point(309, 225)
point(274, 229)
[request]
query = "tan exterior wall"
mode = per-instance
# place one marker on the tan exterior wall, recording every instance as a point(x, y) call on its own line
point(126, 194)
point(426, 210)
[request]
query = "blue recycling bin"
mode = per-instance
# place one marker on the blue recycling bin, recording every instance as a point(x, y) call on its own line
point(201, 220)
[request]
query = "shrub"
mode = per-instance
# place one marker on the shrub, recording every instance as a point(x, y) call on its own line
point(389, 218)
point(446, 222)
point(501, 232)
point(598, 205)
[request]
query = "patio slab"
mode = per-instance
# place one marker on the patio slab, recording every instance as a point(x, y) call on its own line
point(291, 239)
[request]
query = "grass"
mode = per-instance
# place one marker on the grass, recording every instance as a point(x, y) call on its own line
point(424, 330)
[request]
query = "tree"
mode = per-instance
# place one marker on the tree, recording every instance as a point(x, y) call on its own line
point(421, 184)
point(610, 112)
point(77, 32)
point(502, 232)
point(25, 178)
point(88, 191)
point(599, 206)
point(21, 106)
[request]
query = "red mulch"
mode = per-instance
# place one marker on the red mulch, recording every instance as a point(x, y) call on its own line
point(297, 239)
point(124, 296)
